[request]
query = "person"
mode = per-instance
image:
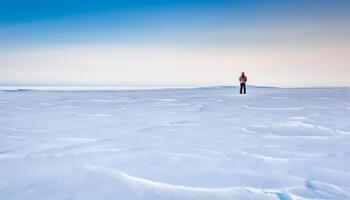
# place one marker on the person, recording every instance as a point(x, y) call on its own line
point(242, 79)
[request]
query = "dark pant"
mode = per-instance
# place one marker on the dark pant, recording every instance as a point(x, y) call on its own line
point(243, 88)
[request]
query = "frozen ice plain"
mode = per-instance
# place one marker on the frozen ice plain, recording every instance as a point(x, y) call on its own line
point(205, 143)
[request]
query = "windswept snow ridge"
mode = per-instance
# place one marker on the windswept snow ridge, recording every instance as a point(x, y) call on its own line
point(205, 143)
point(156, 190)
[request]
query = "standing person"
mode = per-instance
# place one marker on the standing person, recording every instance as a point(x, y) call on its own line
point(242, 79)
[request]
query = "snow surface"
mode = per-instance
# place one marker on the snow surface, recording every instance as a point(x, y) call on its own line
point(205, 143)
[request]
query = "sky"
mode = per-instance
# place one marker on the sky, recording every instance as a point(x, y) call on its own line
point(175, 42)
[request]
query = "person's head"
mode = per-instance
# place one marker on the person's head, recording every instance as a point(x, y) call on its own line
point(242, 74)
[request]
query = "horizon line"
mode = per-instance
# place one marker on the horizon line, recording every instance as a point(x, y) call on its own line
point(126, 88)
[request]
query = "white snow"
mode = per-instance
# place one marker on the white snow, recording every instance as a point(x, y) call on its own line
point(204, 143)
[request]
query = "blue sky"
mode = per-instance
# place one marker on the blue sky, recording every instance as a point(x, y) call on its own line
point(174, 42)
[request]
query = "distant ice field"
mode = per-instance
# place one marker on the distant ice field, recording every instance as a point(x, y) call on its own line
point(203, 143)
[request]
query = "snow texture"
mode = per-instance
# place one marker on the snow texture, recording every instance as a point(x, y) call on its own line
point(204, 143)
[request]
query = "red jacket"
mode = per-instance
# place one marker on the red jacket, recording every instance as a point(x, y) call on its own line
point(243, 79)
